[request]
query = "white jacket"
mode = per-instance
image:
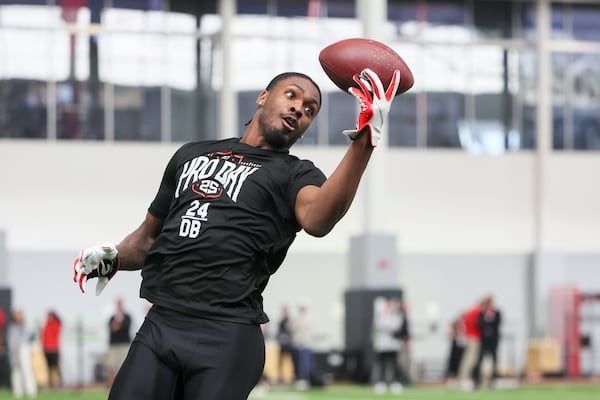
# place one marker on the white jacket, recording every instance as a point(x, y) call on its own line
point(385, 323)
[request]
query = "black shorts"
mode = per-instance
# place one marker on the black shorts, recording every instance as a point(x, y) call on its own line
point(176, 356)
point(52, 358)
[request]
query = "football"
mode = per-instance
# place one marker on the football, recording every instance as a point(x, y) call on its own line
point(342, 60)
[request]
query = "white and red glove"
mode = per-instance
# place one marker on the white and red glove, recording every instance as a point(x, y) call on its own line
point(374, 103)
point(100, 262)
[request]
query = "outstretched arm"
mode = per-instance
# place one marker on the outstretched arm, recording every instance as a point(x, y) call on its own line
point(318, 209)
point(133, 249)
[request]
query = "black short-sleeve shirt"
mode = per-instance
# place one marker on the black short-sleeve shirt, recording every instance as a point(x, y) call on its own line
point(228, 220)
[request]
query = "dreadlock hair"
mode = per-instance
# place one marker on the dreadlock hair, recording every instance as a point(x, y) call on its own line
point(285, 75)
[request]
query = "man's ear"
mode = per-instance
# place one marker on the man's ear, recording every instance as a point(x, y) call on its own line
point(260, 100)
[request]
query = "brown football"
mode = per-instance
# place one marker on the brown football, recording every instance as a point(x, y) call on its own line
point(342, 60)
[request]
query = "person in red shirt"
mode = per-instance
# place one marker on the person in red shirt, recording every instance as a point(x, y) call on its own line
point(472, 334)
point(51, 346)
point(1, 329)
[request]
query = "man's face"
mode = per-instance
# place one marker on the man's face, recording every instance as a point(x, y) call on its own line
point(287, 111)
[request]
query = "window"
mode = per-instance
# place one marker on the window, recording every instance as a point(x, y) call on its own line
point(131, 70)
point(576, 21)
point(576, 101)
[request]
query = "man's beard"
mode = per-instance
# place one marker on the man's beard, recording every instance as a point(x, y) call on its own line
point(279, 138)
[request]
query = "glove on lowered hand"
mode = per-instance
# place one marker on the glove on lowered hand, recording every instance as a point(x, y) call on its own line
point(100, 262)
point(374, 103)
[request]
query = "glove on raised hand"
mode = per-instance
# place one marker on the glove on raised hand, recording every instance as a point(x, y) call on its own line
point(100, 262)
point(374, 103)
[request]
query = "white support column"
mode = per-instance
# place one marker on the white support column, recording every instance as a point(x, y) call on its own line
point(373, 258)
point(537, 305)
point(109, 112)
point(228, 115)
point(543, 113)
point(373, 14)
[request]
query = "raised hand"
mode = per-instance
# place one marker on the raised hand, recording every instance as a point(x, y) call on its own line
point(374, 101)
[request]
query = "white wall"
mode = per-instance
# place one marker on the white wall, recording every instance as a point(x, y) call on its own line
point(61, 196)
point(67, 195)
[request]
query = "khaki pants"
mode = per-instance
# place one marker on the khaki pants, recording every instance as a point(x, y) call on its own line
point(115, 357)
point(404, 359)
point(469, 359)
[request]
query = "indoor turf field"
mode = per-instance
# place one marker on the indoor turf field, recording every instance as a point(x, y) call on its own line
point(538, 392)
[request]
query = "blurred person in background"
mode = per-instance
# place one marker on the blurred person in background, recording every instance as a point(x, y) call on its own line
point(489, 323)
point(302, 335)
point(2, 324)
point(4, 362)
point(387, 321)
point(51, 347)
point(472, 344)
point(456, 333)
point(224, 216)
point(285, 341)
point(20, 352)
point(119, 327)
point(404, 334)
